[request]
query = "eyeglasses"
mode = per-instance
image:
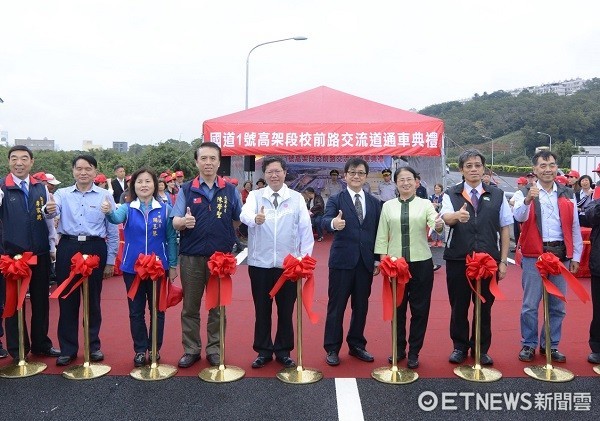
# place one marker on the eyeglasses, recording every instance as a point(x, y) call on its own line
point(274, 172)
point(355, 173)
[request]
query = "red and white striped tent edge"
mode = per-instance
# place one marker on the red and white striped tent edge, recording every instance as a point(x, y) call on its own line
point(324, 121)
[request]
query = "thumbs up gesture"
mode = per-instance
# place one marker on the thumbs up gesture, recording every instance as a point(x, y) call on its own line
point(338, 222)
point(533, 192)
point(439, 223)
point(463, 214)
point(260, 216)
point(106, 206)
point(50, 204)
point(190, 220)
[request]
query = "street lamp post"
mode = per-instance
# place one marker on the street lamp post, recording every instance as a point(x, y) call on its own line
point(255, 47)
point(549, 137)
point(487, 137)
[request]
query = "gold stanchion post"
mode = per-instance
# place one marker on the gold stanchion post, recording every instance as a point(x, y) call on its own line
point(299, 374)
point(548, 373)
point(87, 370)
point(394, 374)
point(477, 373)
point(21, 368)
point(154, 371)
point(223, 373)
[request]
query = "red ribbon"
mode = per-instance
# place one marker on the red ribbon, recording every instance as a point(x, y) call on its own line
point(221, 266)
point(15, 269)
point(81, 264)
point(148, 267)
point(482, 266)
point(295, 269)
point(549, 264)
point(393, 268)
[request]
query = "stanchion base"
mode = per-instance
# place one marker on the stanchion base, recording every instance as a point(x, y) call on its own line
point(597, 369)
point(478, 374)
point(299, 375)
point(22, 369)
point(548, 373)
point(222, 374)
point(153, 372)
point(86, 371)
point(394, 375)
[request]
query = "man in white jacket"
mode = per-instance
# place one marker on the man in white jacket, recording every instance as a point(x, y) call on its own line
point(278, 224)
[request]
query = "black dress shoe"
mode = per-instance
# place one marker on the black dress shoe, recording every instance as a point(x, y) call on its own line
point(96, 356)
point(332, 358)
point(594, 358)
point(260, 361)
point(286, 361)
point(361, 354)
point(139, 360)
point(436, 267)
point(65, 360)
point(399, 357)
point(527, 353)
point(50, 352)
point(457, 356)
point(213, 359)
point(555, 355)
point(187, 360)
point(413, 362)
point(485, 359)
point(3, 352)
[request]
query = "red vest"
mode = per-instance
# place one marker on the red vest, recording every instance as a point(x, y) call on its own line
point(531, 236)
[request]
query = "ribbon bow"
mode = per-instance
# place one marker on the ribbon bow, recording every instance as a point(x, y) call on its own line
point(148, 267)
point(81, 264)
point(221, 266)
point(482, 266)
point(295, 269)
point(14, 270)
point(393, 268)
point(549, 264)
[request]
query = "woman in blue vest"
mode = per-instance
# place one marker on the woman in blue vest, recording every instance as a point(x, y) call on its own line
point(147, 229)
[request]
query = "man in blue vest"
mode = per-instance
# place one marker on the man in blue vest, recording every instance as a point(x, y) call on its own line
point(27, 226)
point(207, 211)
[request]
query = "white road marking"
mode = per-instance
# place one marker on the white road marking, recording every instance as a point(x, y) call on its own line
point(348, 400)
point(241, 256)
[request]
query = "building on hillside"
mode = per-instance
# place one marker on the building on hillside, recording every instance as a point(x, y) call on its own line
point(120, 146)
point(44, 144)
point(3, 138)
point(88, 145)
point(563, 88)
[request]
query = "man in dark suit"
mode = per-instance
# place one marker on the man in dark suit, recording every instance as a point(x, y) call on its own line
point(353, 216)
point(118, 183)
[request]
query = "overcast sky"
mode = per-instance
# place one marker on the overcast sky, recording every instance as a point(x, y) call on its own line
point(146, 71)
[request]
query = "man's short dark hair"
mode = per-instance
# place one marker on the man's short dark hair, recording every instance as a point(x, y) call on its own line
point(355, 162)
point(468, 154)
point(267, 160)
point(207, 145)
point(89, 158)
point(309, 190)
point(20, 148)
point(545, 155)
point(118, 166)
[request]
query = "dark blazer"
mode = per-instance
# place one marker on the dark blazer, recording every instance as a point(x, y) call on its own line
point(117, 189)
point(356, 241)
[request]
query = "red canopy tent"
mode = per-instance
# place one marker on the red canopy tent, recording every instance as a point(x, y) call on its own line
point(324, 121)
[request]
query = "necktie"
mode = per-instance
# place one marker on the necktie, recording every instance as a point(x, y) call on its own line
point(26, 191)
point(358, 207)
point(275, 203)
point(474, 199)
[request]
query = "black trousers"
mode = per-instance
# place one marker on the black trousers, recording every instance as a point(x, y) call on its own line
point(2, 298)
point(68, 322)
point(595, 324)
point(40, 308)
point(461, 296)
point(354, 284)
point(262, 281)
point(417, 294)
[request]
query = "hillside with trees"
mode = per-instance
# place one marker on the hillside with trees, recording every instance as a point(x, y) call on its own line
point(513, 122)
